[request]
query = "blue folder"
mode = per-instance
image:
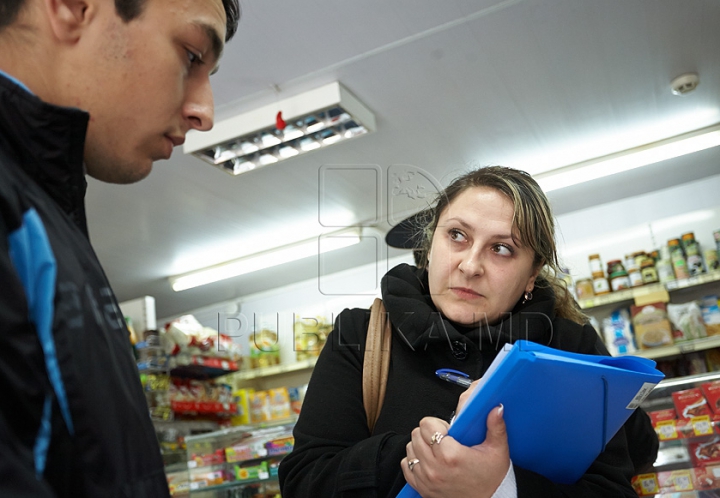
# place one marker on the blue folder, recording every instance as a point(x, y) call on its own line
point(561, 408)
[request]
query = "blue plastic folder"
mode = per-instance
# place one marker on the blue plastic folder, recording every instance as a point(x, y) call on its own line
point(561, 408)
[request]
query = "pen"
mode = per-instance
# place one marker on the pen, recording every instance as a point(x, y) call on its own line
point(455, 377)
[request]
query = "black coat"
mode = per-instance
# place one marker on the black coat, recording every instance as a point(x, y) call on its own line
point(74, 420)
point(335, 455)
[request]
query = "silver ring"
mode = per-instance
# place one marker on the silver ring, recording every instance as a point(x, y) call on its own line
point(436, 438)
point(412, 463)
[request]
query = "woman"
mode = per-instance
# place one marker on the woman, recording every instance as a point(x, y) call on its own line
point(488, 262)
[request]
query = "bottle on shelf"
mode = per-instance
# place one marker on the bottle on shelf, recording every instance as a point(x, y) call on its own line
point(677, 256)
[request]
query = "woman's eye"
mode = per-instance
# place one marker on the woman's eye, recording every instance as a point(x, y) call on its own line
point(457, 235)
point(503, 250)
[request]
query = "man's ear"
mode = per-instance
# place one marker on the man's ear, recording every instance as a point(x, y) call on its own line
point(68, 18)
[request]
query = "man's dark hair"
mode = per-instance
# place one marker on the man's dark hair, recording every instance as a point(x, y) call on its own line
point(126, 9)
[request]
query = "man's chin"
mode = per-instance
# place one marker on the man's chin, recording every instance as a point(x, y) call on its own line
point(121, 174)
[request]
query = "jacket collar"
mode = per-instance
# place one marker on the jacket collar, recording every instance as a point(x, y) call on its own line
point(407, 300)
point(47, 142)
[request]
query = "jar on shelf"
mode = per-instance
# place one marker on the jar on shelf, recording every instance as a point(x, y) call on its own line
point(600, 286)
point(692, 254)
point(615, 266)
point(619, 280)
point(639, 257)
point(596, 269)
point(665, 271)
point(711, 260)
point(648, 271)
point(633, 270)
point(584, 288)
point(677, 256)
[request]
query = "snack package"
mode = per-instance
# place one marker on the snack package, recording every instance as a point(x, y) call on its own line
point(707, 477)
point(666, 424)
point(618, 334)
point(652, 328)
point(279, 403)
point(688, 321)
point(645, 484)
point(711, 391)
point(297, 395)
point(706, 452)
point(259, 407)
point(675, 480)
point(711, 314)
point(264, 349)
point(690, 403)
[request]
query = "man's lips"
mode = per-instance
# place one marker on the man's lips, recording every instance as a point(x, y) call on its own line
point(176, 140)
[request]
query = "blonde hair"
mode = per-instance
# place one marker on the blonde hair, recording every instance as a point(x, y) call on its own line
point(533, 221)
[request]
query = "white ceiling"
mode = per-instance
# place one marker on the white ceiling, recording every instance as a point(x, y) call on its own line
point(453, 84)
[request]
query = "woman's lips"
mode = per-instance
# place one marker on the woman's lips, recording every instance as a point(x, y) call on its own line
point(465, 293)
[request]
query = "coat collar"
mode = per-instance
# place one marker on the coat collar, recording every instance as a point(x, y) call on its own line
point(412, 312)
point(48, 142)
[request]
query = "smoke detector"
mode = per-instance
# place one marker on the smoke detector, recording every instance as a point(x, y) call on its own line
point(684, 84)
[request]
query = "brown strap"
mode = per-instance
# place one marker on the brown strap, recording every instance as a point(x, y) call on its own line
point(376, 362)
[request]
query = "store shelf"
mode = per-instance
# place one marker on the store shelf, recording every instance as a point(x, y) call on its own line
point(196, 487)
point(684, 283)
point(195, 367)
point(680, 348)
point(275, 370)
point(207, 407)
point(631, 294)
point(619, 296)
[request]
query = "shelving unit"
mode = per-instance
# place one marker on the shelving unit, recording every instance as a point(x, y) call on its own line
point(275, 370)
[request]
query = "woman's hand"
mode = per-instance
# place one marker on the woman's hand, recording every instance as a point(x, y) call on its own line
point(446, 468)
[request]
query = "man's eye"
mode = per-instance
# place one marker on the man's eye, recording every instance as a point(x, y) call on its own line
point(193, 58)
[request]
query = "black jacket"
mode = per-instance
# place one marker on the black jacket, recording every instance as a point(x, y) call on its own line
point(74, 420)
point(335, 455)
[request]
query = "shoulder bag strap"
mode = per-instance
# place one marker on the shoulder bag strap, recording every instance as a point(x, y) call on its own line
point(376, 362)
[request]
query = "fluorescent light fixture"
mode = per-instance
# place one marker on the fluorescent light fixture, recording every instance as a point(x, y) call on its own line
point(266, 259)
point(627, 160)
point(314, 119)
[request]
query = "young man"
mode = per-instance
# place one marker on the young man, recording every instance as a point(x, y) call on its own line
point(103, 87)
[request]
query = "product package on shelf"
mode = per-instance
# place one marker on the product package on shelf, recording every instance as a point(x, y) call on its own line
point(264, 349)
point(687, 321)
point(652, 327)
point(185, 338)
point(710, 314)
point(617, 332)
point(310, 337)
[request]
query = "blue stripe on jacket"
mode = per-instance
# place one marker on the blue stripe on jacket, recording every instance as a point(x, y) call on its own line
point(32, 256)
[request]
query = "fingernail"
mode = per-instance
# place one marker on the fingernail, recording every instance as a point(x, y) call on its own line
point(501, 409)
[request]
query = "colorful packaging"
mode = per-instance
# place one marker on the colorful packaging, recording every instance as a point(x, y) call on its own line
point(296, 395)
point(666, 424)
point(707, 477)
point(280, 445)
point(646, 484)
point(251, 472)
point(242, 399)
point(690, 403)
point(618, 336)
point(247, 449)
point(675, 480)
point(710, 314)
point(259, 407)
point(652, 328)
point(279, 403)
point(711, 391)
point(688, 321)
point(704, 453)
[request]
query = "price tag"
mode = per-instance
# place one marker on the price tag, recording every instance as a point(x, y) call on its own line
point(648, 484)
point(263, 475)
point(682, 483)
point(702, 425)
point(666, 430)
point(225, 365)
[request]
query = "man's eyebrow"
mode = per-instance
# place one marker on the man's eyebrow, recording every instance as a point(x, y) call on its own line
point(216, 43)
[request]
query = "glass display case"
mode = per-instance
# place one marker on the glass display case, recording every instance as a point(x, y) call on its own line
point(236, 462)
point(686, 415)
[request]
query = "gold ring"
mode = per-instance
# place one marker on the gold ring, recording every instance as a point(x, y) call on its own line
point(436, 438)
point(412, 463)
